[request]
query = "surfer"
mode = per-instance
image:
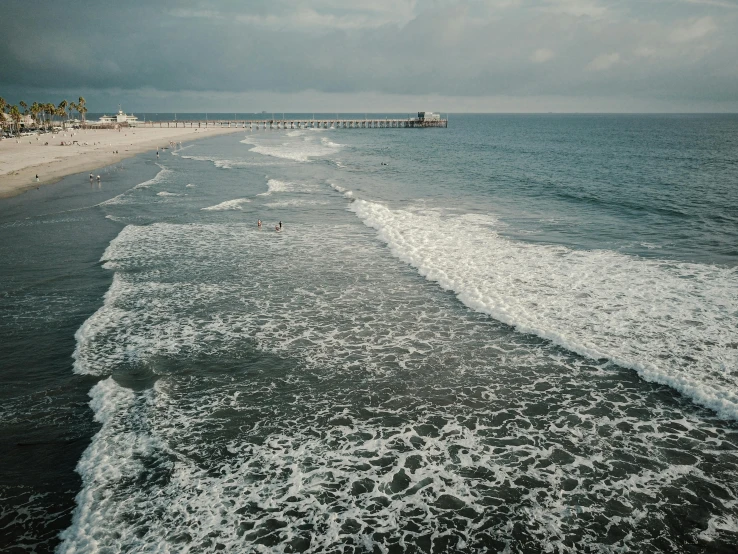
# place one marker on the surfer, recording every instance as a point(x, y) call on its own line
point(280, 225)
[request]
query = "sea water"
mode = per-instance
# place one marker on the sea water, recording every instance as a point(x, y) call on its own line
point(517, 334)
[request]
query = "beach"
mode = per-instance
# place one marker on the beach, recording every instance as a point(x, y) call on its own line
point(23, 158)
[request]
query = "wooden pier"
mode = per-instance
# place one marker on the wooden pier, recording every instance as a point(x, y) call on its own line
point(273, 124)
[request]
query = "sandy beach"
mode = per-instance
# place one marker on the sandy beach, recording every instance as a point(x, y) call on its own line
point(83, 150)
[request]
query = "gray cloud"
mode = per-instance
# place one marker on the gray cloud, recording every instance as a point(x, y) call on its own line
point(681, 51)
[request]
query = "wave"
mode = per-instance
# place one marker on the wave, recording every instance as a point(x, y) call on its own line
point(673, 323)
point(294, 150)
point(331, 144)
point(275, 185)
point(295, 203)
point(346, 193)
point(529, 419)
point(236, 204)
point(225, 163)
point(178, 150)
point(160, 177)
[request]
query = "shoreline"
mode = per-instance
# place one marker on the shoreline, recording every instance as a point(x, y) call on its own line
point(24, 158)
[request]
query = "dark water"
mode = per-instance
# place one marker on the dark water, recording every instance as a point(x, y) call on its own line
point(517, 334)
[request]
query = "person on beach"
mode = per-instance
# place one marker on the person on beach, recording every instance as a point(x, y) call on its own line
point(37, 177)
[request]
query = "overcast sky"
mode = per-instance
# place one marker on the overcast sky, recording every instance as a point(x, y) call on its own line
point(373, 55)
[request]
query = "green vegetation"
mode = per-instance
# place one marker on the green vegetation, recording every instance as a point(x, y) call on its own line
point(39, 116)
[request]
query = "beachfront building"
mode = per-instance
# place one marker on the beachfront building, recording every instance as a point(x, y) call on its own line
point(121, 118)
point(429, 116)
point(24, 122)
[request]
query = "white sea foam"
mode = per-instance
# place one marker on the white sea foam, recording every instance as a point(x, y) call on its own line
point(226, 163)
point(331, 144)
point(236, 204)
point(295, 203)
point(160, 177)
point(277, 186)
point(300, 149)
point(177, 152)
point(346, 193)
point(166, 193)
point(383, 431)
point(674, 323)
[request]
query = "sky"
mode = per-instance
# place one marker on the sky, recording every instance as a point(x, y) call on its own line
point(373, 56)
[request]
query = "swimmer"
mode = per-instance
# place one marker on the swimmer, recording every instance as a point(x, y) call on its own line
point(276, 228)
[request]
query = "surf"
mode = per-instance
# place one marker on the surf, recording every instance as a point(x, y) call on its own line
point(672, 322)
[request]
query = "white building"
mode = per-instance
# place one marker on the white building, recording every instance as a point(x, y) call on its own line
point(429, 116)
point(120, 117)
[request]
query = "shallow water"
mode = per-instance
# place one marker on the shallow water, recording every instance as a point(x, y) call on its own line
point(517, 335)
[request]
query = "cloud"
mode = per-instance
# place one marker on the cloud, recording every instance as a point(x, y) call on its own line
point(393, 48)
point(605, 61)
point(541, 55)
point(717, 3)
point(578, 8)
point(693, 30)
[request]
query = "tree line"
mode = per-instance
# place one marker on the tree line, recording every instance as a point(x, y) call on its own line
point(42, 114)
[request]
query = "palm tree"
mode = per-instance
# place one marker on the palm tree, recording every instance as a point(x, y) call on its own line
point(62, 111)
point(81, 108)
point(50, 110)
point(15, 115)
point(35, 110)
point(25, 108)
point(72, 106)
point(3, 105)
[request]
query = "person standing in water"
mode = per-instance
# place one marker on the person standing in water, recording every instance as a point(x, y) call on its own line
point(258, 224)
point(280, 225)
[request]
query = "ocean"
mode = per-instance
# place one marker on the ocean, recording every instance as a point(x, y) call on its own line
point(518, 334)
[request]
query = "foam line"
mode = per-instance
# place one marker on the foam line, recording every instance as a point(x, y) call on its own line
point(235, 204)
point(674, 323)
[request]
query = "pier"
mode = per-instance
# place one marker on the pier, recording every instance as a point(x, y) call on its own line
point(273, 124)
